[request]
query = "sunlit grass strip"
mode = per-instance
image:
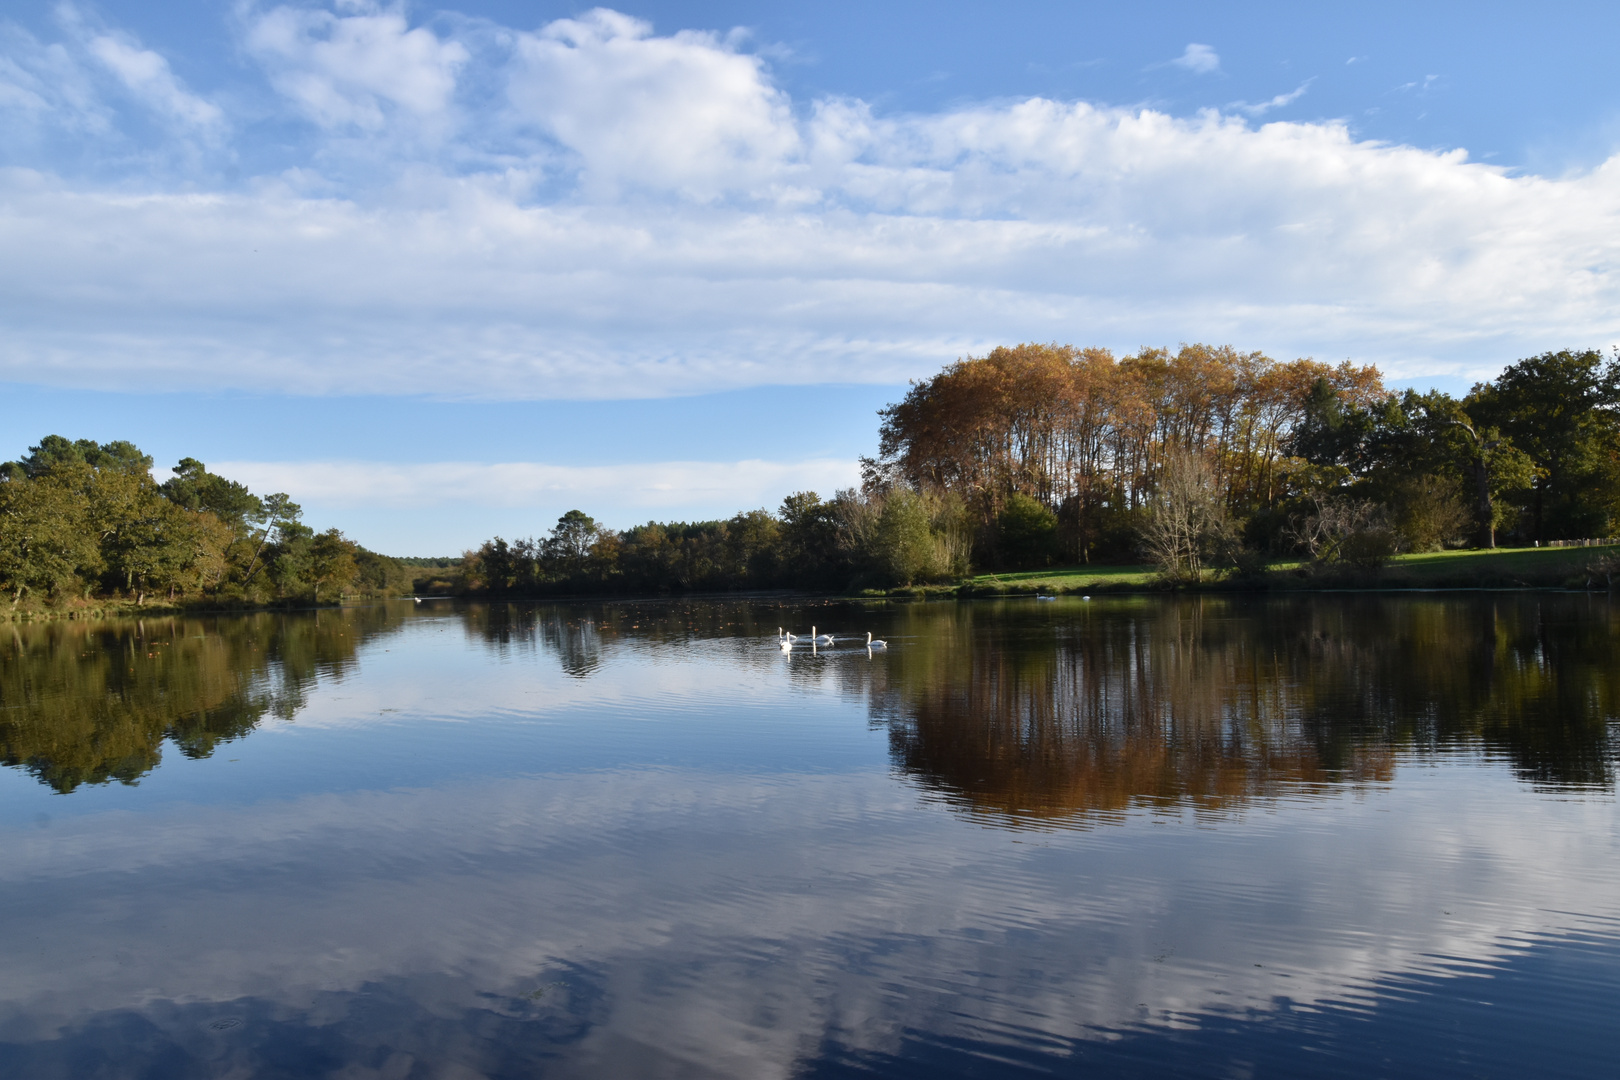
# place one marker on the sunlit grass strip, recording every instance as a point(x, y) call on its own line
point(1502, 567)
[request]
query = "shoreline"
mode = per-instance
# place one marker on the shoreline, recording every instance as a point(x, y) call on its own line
point(1563, 569)
point(92, 611)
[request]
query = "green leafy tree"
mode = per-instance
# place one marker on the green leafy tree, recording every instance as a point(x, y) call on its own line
point(290, 559)
point(332, 563)
point(810, 537)
point(277, 519)
point(44, 535)
point(1490, 466)
point(754, 544)
point(195, 488)
point(1559, 408)
point(569, 545)
point(1026, 532)
point(55, 451)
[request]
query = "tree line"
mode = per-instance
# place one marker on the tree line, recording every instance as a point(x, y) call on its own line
point(82, 521)
point(1204, 456)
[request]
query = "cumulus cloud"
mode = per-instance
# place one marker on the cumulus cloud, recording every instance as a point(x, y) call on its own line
point(353, 69)
point(708, 232)
point(684, 112)
point(1198, 59)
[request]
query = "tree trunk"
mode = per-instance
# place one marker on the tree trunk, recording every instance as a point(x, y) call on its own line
point(1486, 512)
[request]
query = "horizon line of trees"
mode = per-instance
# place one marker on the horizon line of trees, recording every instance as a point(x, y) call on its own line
point(81, 520)
point(1204, 457)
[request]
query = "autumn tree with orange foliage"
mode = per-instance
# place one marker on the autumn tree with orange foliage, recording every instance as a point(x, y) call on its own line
point(1089, 435)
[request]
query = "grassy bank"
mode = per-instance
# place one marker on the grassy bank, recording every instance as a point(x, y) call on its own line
point(1503, 568)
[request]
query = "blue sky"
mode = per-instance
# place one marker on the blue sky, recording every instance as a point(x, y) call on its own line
point(447, 272)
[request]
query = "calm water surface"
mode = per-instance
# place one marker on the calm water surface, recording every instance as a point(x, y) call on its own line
point(1358, 836)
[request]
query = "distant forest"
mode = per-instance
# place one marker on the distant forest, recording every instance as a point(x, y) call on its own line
point(1201, 459)
point(83, 522)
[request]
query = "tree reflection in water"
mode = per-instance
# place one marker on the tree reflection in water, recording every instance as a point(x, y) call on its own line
point(567, 632)
point(1026, 712)
point(1082, 712)
point(93, 702)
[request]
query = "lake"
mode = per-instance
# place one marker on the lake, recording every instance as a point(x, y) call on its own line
point(1335, 835)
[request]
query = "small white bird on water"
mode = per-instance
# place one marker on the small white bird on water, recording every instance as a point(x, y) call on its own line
point(821, 639)
point(872, 643)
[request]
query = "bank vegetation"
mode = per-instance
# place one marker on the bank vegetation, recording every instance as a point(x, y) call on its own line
point(1205, 462)
point(85, 528)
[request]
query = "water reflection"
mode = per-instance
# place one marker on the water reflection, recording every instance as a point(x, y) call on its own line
point(1036, 713)
point(637, 840)
point(1418, 1025)
point(93, 702)
point(1024, 712)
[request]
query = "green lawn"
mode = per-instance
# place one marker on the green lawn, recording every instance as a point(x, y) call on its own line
point(1506, 566)
point(1501, 568)
point(1066, 579)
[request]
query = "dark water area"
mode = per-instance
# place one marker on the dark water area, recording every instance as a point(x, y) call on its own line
point(1349, 836)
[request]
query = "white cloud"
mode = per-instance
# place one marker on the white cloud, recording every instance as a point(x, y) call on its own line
point(351, 70)
point(147, 75)
point(1278, 102)
point(1198, 59)
point(685, 112)
point(77, 87)
point(650, 486)
point(42, 82)
point(720, 235)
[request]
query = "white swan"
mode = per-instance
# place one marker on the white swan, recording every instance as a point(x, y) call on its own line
point(783, 635)
point(875, 644)
point(787, 646)
point(822, 639)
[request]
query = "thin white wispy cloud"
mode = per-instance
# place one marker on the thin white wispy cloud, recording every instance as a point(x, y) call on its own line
point(46, 83)
point(651, 486)
point(79, 85)
point(147, 75)
point(1278, 102)
point(1198, 59)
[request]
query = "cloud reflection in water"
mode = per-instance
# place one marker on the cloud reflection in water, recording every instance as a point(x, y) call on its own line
point(1331, 823)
